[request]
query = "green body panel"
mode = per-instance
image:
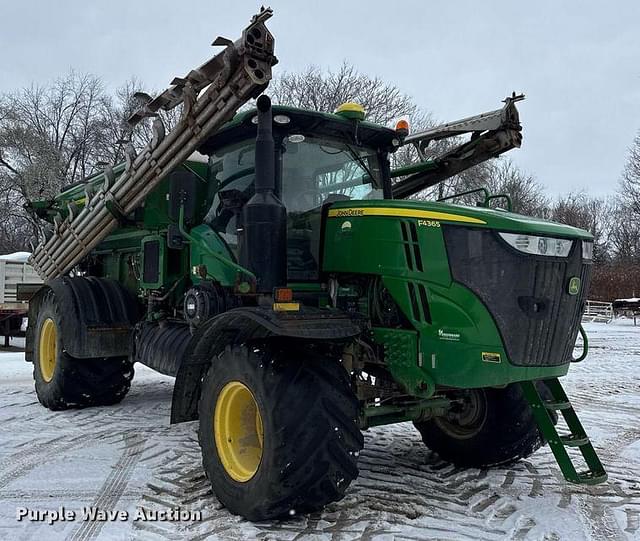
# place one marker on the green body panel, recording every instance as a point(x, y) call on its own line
point(487, 218)
point(118, 252)
point(120, 255)
point(205, 243)
point(459, 342)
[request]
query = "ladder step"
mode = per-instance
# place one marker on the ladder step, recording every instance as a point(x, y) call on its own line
point(574, 440)
point(592, 477)
point(575, 435)
point(557, 404)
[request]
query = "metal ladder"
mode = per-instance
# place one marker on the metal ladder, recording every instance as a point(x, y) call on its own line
point(577, 437)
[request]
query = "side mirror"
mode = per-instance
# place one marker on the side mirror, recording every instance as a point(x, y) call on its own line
point(183, 192)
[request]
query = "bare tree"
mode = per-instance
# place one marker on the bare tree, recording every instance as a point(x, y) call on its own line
point(573, 209)
point(503, 176)
point(51, 136)
point(320, 90)
point(118, 132)
point(48, 135)
point(625, 233)
point(630, 185)
point(498, 177)
point(596, 215)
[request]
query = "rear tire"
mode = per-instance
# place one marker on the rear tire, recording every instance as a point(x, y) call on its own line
point(64, 382)
point(296, 415)
point(493, 427)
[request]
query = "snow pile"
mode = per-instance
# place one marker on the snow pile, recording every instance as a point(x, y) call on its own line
point(20, 257)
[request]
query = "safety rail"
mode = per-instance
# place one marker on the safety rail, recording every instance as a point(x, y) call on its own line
point(598, 311)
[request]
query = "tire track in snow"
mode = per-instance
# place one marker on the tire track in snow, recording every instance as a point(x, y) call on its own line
point(404, 491)
point(24, 461)
point(113, 488)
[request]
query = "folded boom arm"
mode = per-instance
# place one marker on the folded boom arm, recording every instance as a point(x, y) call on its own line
point(492, 134)
point(210, 95)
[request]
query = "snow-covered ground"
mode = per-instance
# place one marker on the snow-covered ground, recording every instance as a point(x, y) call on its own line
point(128, 457)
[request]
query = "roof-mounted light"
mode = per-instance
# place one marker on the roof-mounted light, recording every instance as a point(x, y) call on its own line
point(281, 119)
point(402, 127)
point(278, 119)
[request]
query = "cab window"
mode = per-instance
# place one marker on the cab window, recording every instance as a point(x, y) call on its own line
point(313, 172)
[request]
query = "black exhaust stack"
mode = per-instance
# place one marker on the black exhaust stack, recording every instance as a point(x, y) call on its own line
point(263, 248)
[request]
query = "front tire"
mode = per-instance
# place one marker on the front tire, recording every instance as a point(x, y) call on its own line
point(489, 427)
point(278, 432)
point(64, 382)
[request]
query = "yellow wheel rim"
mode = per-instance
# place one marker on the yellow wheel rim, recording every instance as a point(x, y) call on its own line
point(238, 431)
point(47, 349)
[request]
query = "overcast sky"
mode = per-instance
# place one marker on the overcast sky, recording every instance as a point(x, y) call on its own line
point(577, 62)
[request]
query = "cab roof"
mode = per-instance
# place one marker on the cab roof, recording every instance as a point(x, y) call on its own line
point(308, 123)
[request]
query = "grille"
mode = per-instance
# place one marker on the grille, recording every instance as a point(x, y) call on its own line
point(151, 270)
point(526, 295)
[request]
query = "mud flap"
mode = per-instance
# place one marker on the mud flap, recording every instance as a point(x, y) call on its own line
point(99, 316)
point(244, 324)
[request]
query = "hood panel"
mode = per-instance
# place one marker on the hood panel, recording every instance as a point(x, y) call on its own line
point(470, 216)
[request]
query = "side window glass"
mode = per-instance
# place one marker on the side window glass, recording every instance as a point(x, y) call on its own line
point(232, 174)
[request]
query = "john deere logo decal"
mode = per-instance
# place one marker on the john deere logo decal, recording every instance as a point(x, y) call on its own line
point(574, 286)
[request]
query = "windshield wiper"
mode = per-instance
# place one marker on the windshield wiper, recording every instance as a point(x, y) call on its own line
point(359, 159)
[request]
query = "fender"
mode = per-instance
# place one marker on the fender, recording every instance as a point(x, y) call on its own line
point(99, 315)
point(243, 324)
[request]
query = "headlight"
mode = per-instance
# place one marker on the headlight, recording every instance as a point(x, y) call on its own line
point(587, 250)
point(532, 244)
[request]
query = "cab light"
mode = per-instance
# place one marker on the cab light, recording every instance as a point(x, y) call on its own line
point(535, 245)
point(278, 119)
point(281, 119)
point(402, 127)
point(587, 250)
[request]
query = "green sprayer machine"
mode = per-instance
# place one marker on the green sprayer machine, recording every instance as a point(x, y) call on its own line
point(273, 261)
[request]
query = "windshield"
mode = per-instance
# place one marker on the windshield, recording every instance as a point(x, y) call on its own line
point(312, 172)
point(318, 171)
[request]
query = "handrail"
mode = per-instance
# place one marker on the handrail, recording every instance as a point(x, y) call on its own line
point(585, 347)
point(487, 197)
